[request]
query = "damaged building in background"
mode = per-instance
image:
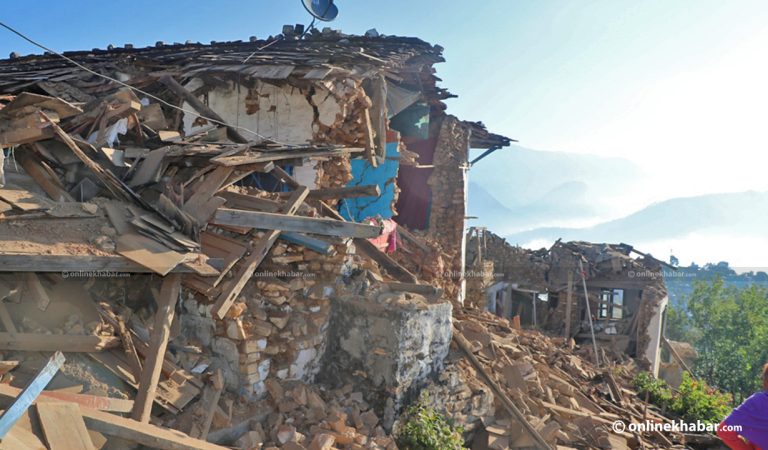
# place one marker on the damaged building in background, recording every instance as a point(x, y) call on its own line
point(262, 244)
point(546, 289)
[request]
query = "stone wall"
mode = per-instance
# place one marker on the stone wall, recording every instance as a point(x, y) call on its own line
point(386, 345)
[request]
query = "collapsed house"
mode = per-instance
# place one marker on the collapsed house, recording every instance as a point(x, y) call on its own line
point(261, 245)
point(249, 189)
point(546, 289)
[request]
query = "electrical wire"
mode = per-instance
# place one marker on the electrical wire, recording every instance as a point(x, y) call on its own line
point(135, 89)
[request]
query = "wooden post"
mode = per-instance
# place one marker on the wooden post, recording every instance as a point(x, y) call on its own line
point(153, 364)
point(569, 306)
point(589, 311)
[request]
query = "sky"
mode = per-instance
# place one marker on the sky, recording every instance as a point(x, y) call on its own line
point(678, 87)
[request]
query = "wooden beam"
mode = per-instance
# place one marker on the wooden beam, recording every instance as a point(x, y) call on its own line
point(232, 290)
point(200, 107)
point(282, 222)
point(393, 268)
point(283, 176)
point(32, 342)
point(568, 306)
point(423, 289)
point(371, 190)
point(218, 387)
point(153, 364)
point(142, 433)
point(35, 169)
point(80, 266)
point(87, 401)
point(676, 355)
point(312, 243)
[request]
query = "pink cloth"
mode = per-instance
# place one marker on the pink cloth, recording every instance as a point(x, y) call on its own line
point(387, 241)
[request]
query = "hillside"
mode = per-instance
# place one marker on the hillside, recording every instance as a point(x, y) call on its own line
point(519, 188)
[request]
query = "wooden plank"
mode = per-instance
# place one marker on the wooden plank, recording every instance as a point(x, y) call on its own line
point(63, 426)
point(82, 264)
point(117, 212)
point(301, 224)
point(25, 399)
point(84, 400)
point(36, 289)
point(200, 107)
point(393, 268)
point(237, 200)
point(206, 189)
point(260, 157)
point(20, 438)
point(32, 342)
point(149, 253)
point(153, 364)
point(149, 167)
point(232, 290)
point(219, 246)
point(25, 200)
point(142, 433)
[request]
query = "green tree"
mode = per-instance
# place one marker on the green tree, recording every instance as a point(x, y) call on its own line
point(730, 328)
point(679, 325)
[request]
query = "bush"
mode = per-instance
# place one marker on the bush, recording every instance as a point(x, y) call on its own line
point(426, 429)
point(658, 392)
point(694, 400)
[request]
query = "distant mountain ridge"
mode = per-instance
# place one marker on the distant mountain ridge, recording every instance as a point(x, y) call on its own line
point(742, 213)
point(517, 188)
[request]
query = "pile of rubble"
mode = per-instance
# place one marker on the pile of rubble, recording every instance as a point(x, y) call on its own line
point(555, 387)
point(168, 205)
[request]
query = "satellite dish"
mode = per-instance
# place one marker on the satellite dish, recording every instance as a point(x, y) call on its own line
point(323, 10)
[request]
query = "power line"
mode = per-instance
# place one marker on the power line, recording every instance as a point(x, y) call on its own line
point(170, 105)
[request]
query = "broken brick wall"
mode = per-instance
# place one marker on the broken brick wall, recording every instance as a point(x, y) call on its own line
point(278, 327)
point(449, 198)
